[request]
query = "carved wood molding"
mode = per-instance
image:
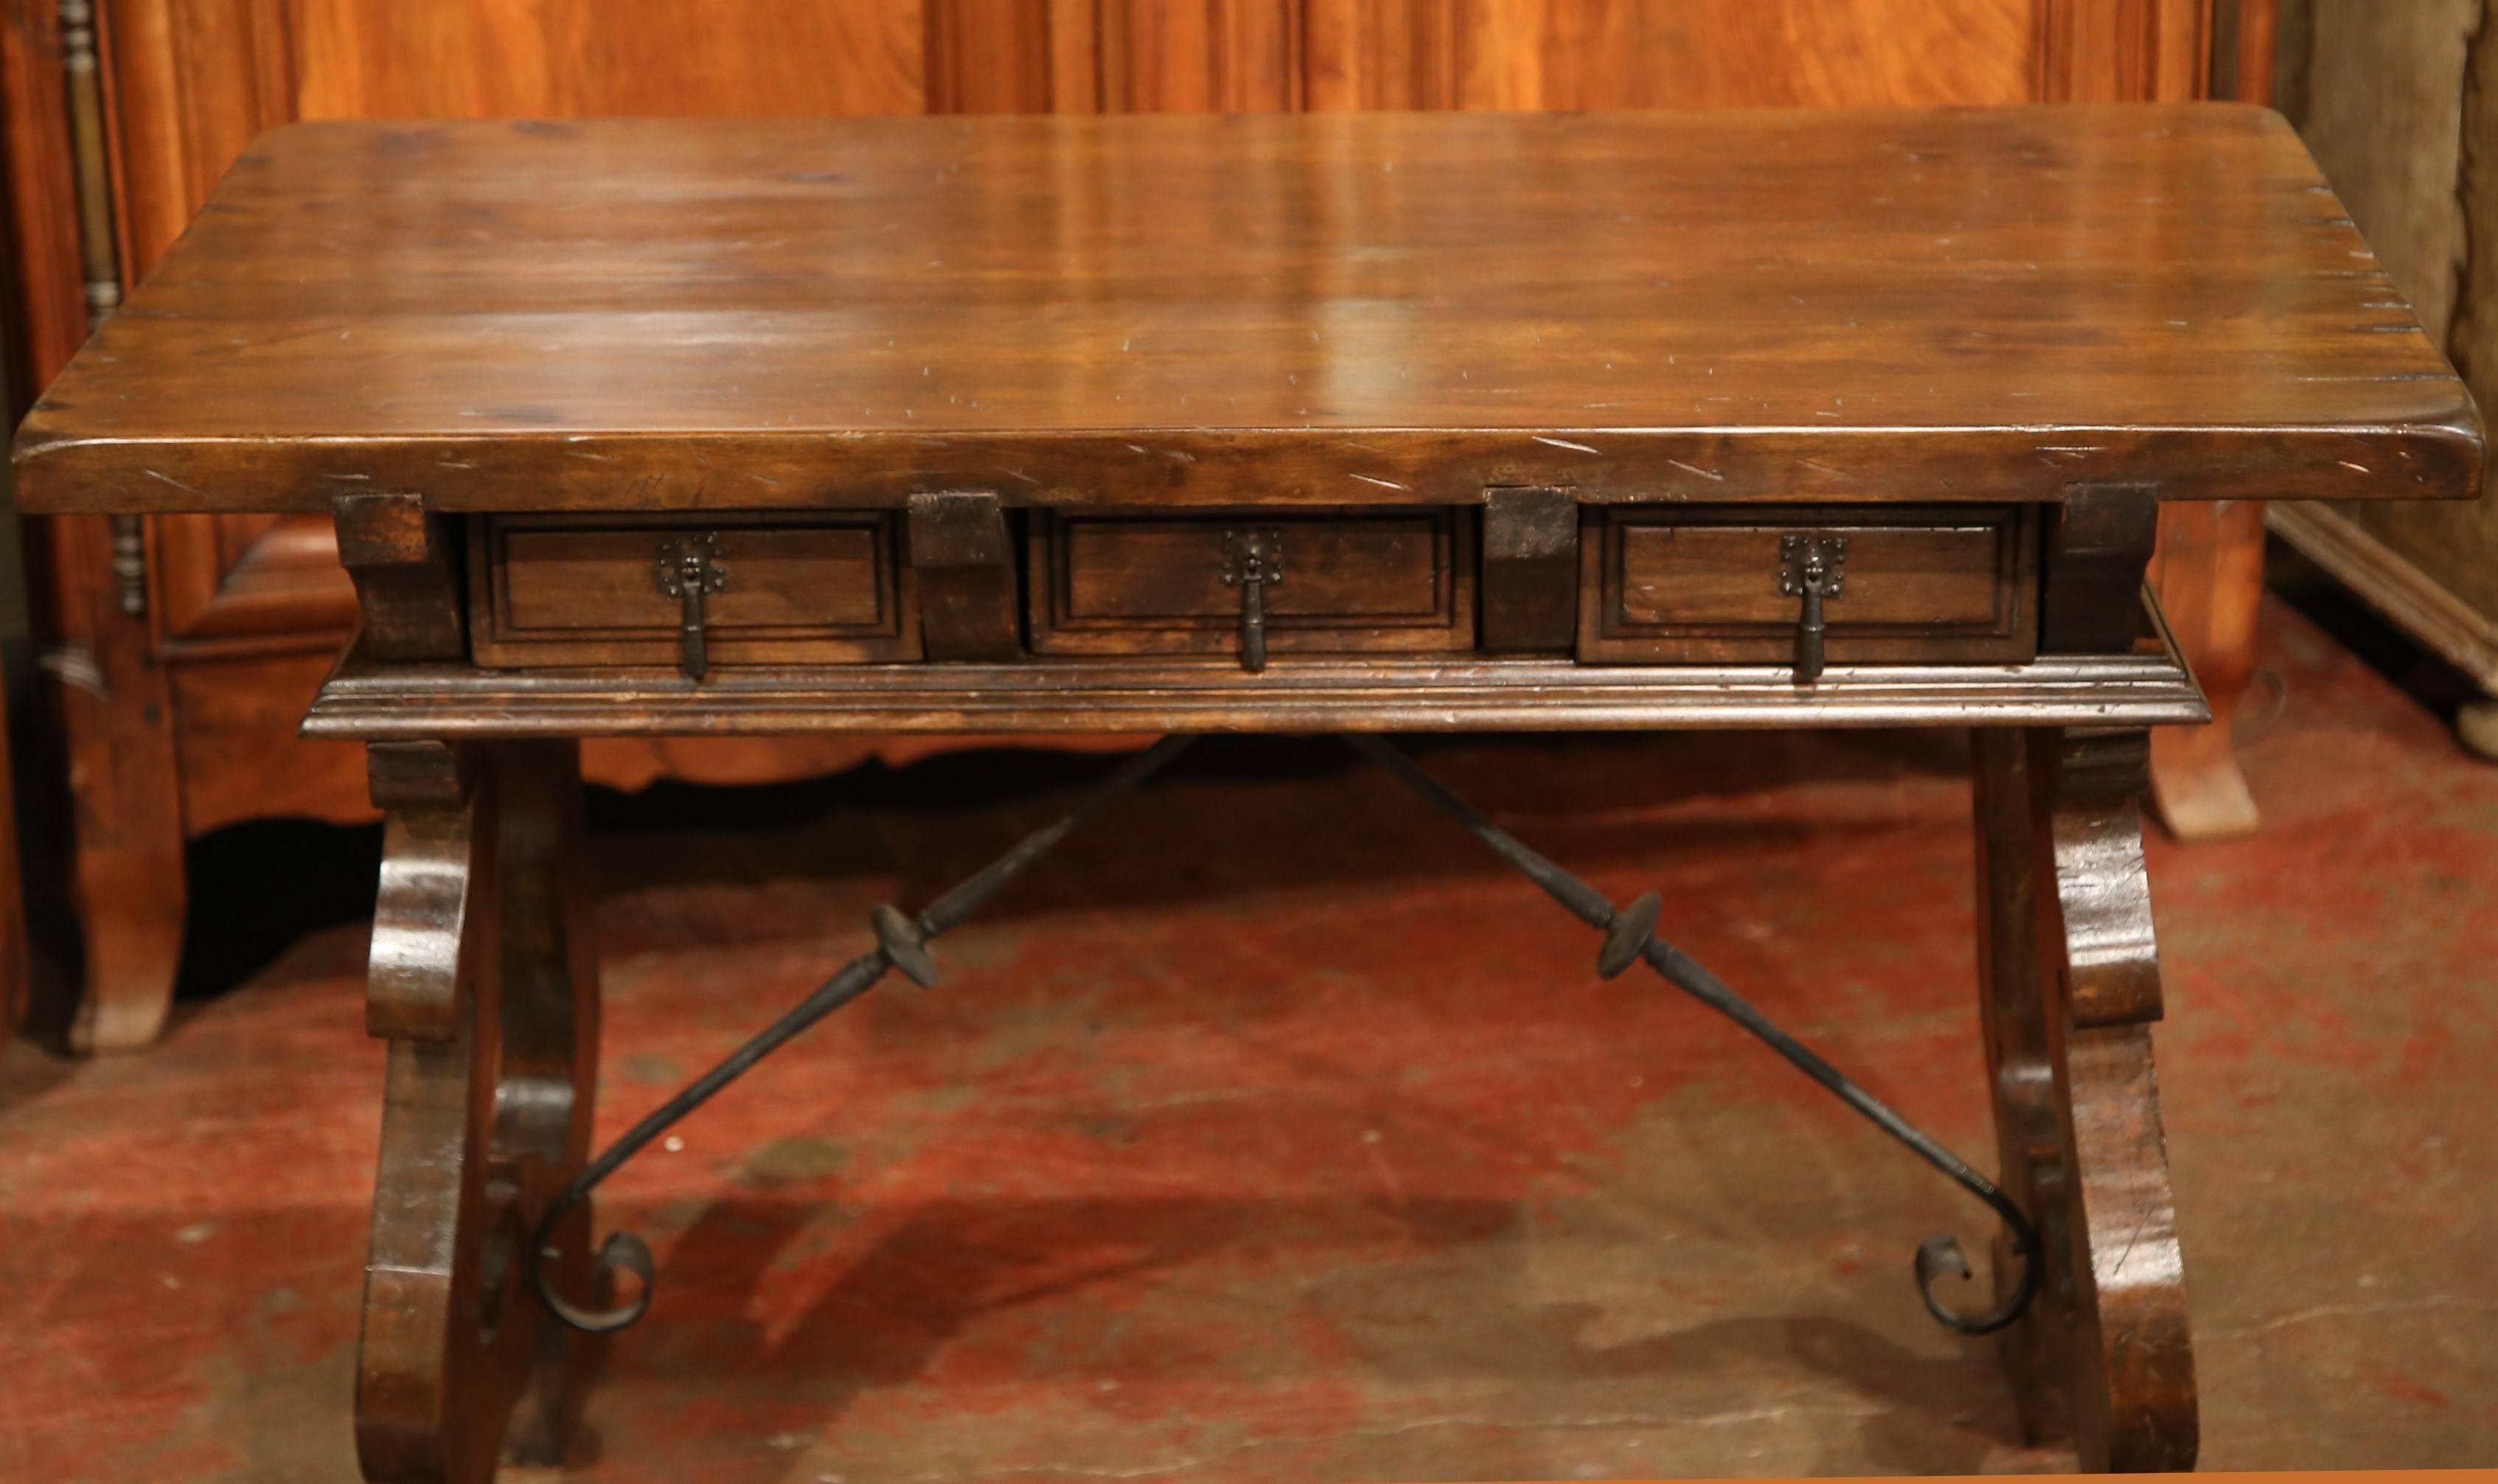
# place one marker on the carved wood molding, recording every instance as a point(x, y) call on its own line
point(365, 701)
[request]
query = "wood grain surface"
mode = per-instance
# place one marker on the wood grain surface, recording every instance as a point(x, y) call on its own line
point(1983, 305)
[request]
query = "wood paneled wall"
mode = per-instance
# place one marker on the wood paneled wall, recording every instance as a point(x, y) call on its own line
point(1668, 53)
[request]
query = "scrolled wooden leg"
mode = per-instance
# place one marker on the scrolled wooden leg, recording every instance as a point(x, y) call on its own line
point(2077, 1104)
point(550, 1050)
point(2134, 1378)
point(2021, 1075)
point(482, 983)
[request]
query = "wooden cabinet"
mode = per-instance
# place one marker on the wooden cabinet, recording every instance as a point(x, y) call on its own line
point(198, 638)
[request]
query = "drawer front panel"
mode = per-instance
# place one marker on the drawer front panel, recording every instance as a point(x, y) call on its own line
point(796, 589)
point(1118, 583)
point(1703, 585)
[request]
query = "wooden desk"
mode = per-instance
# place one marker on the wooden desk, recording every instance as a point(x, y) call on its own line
point(1175, 424)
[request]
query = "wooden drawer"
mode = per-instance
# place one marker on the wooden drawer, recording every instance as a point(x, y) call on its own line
point(822, 589)
point(1938, 584)
point(1353, 582)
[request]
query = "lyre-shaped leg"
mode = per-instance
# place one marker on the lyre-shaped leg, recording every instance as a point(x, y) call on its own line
point(2071, 985)
point(484, 984)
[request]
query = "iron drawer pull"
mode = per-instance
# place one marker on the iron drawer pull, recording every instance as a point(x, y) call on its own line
point(689, 569)
point(1814, 568)
point(1253, 561)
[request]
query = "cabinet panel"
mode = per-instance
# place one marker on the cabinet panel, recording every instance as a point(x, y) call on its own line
point(1669, 54)
point(1012, 56)
point(565, 59)
point(224, 579)
point(1201, 56)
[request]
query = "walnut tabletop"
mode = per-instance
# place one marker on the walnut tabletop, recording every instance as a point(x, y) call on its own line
point(1774, 305)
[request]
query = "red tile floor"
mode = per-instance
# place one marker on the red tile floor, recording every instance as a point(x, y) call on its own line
point(1272, 1132)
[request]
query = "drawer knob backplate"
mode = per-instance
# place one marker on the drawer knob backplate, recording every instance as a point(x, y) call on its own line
point(690, 568)
point(1812, 567)
point(1253, 561)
